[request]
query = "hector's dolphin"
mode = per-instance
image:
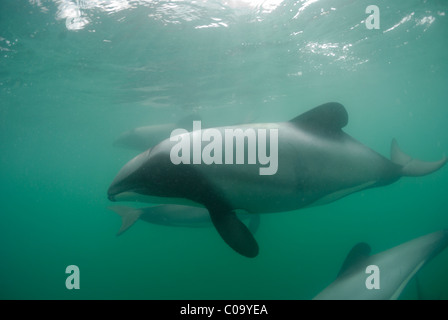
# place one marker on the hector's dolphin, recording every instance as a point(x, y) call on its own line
point(396, 267)
point(317, 163)
point(143, 138)
point(174, 216)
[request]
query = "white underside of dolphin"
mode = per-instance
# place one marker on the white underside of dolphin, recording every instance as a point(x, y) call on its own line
point(317, 163)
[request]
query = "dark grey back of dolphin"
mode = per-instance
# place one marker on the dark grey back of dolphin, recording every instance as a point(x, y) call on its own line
point(317, 163)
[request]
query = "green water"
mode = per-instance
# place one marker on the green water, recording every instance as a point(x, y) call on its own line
point(76, 74)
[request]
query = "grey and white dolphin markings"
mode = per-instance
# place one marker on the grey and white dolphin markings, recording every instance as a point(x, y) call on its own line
point(396, 267)
point(174, 216)
point(317, 163)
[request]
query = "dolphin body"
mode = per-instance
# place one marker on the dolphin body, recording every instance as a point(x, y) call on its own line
point(174, 216)
point(317, 163)
point(396, 268)
point(145, 137)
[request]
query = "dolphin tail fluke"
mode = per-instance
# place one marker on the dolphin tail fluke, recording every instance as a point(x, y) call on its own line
point(128, 217)
point(413, 167)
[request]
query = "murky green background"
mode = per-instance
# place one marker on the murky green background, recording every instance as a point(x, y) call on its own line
point(75, 74)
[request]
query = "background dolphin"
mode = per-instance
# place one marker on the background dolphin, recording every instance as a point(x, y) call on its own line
point(397, 266)
point(317, 163)
point(174, 216)
point(145, 137)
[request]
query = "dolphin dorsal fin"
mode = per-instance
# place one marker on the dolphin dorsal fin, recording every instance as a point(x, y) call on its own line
point(329, 117)
point(357, 255)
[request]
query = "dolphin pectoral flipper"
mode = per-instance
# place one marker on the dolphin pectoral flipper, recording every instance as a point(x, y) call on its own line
point(254, 223)
point(234, 232)
point(413, 167)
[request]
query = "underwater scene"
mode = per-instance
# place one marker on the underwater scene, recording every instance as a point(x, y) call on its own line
point(223, 150)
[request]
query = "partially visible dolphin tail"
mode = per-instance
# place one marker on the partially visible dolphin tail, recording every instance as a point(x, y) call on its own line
point(413, 167)
point(128, 216)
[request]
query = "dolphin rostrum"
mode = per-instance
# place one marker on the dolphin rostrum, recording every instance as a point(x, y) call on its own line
point(317, 163)
point(395, 268)
point(174, 216)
